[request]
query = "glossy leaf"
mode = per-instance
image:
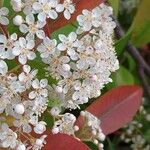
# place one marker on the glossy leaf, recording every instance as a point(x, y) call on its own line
point(79, 5)
point(63, 142)
point(141, 24)
point(116, 108)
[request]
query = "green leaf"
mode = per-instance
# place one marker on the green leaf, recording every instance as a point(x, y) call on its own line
point(38, 64)
point(91, 145)
point(131, 62)
point(110, 144)
point(48, 119)
point(120, 44)
point(141, 24)
point(115, 5)
point(121, 77)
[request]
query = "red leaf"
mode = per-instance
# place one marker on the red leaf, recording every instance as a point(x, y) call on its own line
point(79, 6)
point(116, 108)
point(63, 142)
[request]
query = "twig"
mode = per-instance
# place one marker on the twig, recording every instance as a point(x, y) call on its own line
point(143, 67)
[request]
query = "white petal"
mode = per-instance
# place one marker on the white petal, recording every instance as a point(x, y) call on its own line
point(72, 36)
point(22, 59)
point(67, 14)
point(35, 84)
point(22, 42)
point(3, 38)
point(3, 67)
point(71, 9)
point(30, 19)
point(30, 44)
point(40, 34)
point(52, 14)
point(37, 6)
point(26, 68)
point(23, 28)
point(59, 8)
point(4, 21)
point(16, 51)
point(61, 47)
point(32, 95)
point(62, 37)
point(31, 55)
point(14, 36)
point(42, 17)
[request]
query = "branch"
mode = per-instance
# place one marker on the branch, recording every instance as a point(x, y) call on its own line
point(142, 65)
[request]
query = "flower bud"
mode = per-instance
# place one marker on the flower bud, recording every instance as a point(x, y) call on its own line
point(19, 109)
point(18, 20)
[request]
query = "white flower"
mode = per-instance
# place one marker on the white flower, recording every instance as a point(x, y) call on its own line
point(92, 124)
point(32, 27)
point(40, 127)
point(24, 50)
point(68, 8)
point(47, 48)
point(46, 9)
point(39, 89)
point(8, 138)
point(94, 18)
point(6, 45)
point(27, 76)
point(69, 44)
point(3, 13)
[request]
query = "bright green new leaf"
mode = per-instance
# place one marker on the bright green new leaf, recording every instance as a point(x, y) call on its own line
point(141, 24)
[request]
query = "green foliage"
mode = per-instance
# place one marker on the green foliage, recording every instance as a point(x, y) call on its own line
point(121, 43)
point(121, 77)
point(48, 119)
point(141, 24)
point(115, 6)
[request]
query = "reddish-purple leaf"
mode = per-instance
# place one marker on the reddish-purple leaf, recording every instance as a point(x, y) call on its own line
point(63, 142)
point(79, 6)
point(116, 108)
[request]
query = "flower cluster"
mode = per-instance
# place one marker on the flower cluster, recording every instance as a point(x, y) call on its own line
point(81, 62)
point(93, 125)
point(133, 132)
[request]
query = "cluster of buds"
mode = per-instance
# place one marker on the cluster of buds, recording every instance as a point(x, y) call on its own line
point(65, 124)
point(133, 132)
point(92, 123)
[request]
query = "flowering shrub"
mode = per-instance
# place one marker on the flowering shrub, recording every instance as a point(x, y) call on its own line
point(56, 75)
